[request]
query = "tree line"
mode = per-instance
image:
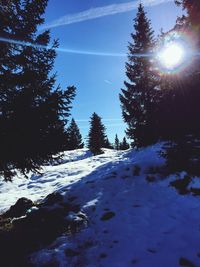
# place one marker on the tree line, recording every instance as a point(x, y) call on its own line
point(97, 137)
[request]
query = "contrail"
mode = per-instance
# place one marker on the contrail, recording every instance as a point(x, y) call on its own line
point(71, 51)
point(99, 12)
point(64, 50)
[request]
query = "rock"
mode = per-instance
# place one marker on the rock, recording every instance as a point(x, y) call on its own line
point(19, 208)
point(195, 191)
point(53, 198)
point(181, 185)
point(38, 228)
point(186, 262)
point(107, 216)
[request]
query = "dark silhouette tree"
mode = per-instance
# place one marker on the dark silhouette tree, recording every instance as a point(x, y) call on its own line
point(96, 136)
point(33, 112)
point(137, 100)
point(117, 143)
point(192, 8)
point(179, 107)
point(124, 145)
point(74, 138)
point(108, 144)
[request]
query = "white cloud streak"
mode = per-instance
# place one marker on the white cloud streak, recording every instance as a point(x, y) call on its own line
point(99, 12)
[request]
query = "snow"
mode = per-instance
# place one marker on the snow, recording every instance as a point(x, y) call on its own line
point(131, 222)
point(74, 166)
point(195, 183)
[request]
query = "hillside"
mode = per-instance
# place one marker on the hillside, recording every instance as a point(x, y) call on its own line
point(128, 214)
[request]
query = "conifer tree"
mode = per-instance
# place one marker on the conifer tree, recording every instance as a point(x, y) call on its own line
point(97, 136)
point(108, 144)
point(192, 8)
point(190, 24)
point(33, 113)
point(137, 100)
point(117, 143)
point(74, 138)
point(179, 107)
point(124, 145)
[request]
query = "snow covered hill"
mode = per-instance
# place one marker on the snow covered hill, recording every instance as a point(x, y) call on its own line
point(134, 218)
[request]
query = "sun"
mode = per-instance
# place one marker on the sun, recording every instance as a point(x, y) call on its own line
point(174, 53)
point(172, 56)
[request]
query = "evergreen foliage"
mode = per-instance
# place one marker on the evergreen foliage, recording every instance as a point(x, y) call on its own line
point(124, 145)
point(74, 138)
point(192, 8)
point(108, 144)
point(97, 137)
point(117, 143)
point(179, 114)
point(137, 100)
point(179, 108)
point(33, 113)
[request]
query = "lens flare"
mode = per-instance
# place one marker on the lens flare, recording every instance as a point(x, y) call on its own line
point(172, 55)
point(175, 53)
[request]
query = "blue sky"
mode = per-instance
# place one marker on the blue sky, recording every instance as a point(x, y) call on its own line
point(99, 78)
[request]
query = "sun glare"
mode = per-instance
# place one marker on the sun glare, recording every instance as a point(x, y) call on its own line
point(172, 56)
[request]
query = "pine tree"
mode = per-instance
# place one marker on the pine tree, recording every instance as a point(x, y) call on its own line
point(180, 105)
point(180, 109)
point(137, 100)
point(117, 143)
point(97, 136)
point(33, 113)
point(108, 144)
point(124, 145)
point(74, 138)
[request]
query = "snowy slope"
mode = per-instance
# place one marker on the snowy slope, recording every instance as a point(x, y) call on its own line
point(149, 225)
point(74, 166)
point(131, 222)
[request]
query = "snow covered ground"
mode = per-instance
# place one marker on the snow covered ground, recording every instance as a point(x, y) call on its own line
point(131, 221)
point(74, 166)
